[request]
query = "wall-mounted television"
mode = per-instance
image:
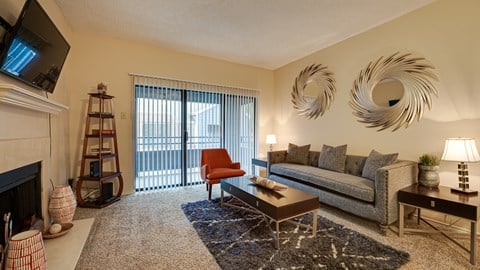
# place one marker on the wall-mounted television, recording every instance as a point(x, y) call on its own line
point(33, 50)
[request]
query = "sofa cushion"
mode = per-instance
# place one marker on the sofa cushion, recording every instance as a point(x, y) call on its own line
point(333, 158)
point(375, 161)
point(350, 185)
point(298, 154)
point(354, 164)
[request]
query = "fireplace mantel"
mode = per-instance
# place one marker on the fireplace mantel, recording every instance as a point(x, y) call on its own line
point(14, 95)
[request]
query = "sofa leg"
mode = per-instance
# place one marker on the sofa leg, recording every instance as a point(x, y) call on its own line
point(383, 229)
point(209, 187)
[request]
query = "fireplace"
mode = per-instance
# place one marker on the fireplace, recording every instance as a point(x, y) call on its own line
point(20, 194)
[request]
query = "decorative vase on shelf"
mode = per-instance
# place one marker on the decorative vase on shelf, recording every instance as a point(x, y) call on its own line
point(428, 176)
point(62, 204)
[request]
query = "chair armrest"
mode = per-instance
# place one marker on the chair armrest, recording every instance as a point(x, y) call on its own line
point(235, 165)
point(388, 181)
point(204, 171)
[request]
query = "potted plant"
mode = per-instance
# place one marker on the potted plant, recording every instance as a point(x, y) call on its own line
point(428, 170)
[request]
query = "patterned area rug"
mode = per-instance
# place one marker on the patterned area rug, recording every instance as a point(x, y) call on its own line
point(241, 240)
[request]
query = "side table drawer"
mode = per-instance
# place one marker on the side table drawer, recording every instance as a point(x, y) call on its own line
point(440, 205)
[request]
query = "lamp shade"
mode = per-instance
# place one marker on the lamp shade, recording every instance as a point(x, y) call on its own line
point(271, 139)
point(26, 251)
point(460, 149)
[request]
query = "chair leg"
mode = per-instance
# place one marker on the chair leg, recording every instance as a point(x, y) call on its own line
point(209, 192)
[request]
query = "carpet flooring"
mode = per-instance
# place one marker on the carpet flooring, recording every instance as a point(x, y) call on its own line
point(241, 240)
point(150, 231)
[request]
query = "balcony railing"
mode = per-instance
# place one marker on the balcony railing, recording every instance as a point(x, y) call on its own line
point(158, 161)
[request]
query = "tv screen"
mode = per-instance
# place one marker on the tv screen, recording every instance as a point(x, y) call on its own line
point(34, 51)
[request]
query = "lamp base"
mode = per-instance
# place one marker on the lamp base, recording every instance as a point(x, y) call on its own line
point(464, 191)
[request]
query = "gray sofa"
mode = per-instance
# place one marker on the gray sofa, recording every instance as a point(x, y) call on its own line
point(375, 200)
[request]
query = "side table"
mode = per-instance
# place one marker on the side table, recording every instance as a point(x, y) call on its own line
point(441, 200)
point(260, 162)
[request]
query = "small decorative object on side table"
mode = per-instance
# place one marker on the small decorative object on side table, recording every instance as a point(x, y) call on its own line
point(428, 170)
point(461, 150)
point(441, 200)
point(102, 88)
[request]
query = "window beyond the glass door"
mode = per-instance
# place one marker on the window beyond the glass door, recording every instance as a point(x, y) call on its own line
point(173, 125)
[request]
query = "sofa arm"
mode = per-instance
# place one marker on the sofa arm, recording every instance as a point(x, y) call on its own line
point(388, 181)
point(275, 157)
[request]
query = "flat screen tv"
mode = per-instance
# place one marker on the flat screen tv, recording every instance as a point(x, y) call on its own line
point(33, 50)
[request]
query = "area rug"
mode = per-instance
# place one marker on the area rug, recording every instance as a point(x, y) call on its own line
point(241, 240)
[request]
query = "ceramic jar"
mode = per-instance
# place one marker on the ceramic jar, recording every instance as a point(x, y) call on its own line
point(26, 250)
point(62, 204)
point(428, 176)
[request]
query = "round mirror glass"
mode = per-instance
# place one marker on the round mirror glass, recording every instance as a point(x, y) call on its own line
point(311, 89)
point(387, 92)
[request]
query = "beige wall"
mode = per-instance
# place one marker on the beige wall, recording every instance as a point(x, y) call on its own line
point(445, 33)
point(103, 59)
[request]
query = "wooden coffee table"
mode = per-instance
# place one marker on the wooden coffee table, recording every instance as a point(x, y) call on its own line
point(275, 206)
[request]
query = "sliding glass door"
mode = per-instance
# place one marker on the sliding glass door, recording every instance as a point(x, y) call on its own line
point(204, 129)
point(172, 126)
point(158, 137)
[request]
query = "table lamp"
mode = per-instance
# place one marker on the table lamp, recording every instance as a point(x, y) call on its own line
point(271, 140)
point(461, 150)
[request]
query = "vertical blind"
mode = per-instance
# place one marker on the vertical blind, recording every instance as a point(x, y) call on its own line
point(175, 119)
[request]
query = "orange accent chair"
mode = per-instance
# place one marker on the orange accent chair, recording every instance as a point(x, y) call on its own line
point(216, 164)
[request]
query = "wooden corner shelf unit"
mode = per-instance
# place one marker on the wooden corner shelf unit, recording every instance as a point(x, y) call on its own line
point(100, 130)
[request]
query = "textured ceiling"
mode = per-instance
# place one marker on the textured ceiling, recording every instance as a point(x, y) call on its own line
point(263, 33)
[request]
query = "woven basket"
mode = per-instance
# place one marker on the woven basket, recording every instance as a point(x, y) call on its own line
point(62, 204)
point(26, 251)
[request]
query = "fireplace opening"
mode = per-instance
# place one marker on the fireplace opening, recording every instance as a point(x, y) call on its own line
point(21, 196)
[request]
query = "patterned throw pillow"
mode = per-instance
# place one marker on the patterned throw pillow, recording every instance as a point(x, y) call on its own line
point(376, 160)
point(333, 158)
point(298, 154)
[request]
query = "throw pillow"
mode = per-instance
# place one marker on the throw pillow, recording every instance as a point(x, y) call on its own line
point(298, 154)
point(333, 158)
point(377, 160)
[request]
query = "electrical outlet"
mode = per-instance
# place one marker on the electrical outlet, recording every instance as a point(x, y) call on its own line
point(123, 115)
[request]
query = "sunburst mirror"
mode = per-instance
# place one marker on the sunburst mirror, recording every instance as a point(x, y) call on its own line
point(412, 77)
point(313, 91)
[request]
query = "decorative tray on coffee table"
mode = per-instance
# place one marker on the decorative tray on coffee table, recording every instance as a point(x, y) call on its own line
point(267, 183)
point(65, 229)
